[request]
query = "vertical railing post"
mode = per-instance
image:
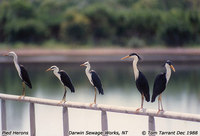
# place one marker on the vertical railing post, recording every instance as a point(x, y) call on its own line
point(104, 122)
point(151, 125)
point(3, 115)
point(65, 122)
point(32, 119)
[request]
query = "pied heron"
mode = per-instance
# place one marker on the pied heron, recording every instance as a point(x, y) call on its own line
point(22, 72)
point(160, 83)
point(64, 79)
point(94, 80)
point(141, 81)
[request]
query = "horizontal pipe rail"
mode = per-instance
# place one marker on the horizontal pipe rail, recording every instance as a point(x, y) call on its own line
point(101, 107)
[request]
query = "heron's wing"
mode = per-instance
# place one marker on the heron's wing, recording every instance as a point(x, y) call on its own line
point(25, 76)
point(97, 82)
point(159, 86)
point(143, 86)
point(66, 80)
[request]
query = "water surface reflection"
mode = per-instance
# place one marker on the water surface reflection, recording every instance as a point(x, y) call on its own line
point(181, 95)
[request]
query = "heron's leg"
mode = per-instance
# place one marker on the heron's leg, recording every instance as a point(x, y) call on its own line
point(95, 97)
point(23, 90)
point(161, 102)
point(64, 97)
point(23, 84)
point(142, 102)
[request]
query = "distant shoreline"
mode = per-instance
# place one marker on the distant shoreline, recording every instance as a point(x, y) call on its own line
point(178, 55)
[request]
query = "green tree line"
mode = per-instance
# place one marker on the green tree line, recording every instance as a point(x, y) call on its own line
point(132, 23)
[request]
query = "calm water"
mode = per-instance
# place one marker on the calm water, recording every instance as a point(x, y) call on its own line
point(182, 95)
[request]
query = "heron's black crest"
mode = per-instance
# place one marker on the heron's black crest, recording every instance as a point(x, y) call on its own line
point(132, 54)
point(53, 67)
point(169, 62)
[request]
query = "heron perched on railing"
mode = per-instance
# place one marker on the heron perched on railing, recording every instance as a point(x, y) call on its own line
point(22, 72)
point(141, 81)
point(94, 80)
point(64, 79)
point(160, 84)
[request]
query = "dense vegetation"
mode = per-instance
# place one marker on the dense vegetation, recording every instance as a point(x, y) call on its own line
point(132, 23)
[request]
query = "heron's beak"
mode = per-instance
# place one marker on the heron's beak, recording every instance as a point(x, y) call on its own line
point(125, 57)
point(172, 67)
point(5, 54)
point(48, 69)
point(82, 65)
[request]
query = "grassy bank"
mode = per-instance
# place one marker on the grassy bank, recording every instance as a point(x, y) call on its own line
point(61, 45)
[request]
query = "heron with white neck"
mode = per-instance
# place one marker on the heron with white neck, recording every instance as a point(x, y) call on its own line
point(94, 80)
point(64, 79)
point(22, 72)
point(141, 81)
point(160, 84)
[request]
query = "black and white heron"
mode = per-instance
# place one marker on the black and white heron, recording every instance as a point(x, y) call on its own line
point(94, 80)
point(141, 81)
point(64, 79)
point(160, 84)
point(22, 72)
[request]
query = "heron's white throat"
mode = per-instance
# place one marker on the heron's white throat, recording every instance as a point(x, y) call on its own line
point(89, 75)
point(55, 71)
point(15, 59)
point(135, 69)
point(168, 72)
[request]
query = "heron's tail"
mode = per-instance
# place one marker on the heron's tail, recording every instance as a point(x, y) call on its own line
point(72, 89)
point(147, 97)
point(101, 91)
point(29, 85)
point(153, 98)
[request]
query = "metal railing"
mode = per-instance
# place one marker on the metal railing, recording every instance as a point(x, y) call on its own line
point(103, 108)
